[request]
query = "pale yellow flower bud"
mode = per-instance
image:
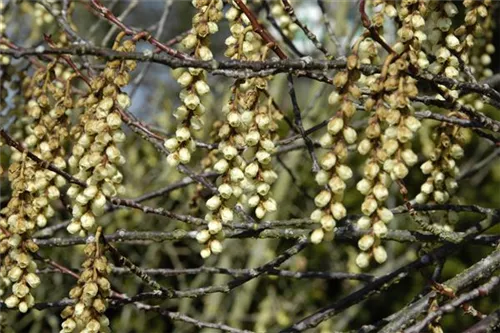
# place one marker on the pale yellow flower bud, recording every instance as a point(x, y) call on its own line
point(368, 206)
point(215, 246)
point(427, 167)
point(366, 242)
point(317, 236)
point(316, 215)
point(322, 199)
point(322, 177)
point(213, 203)
point(385, 214)
point(364, 147)
point(344, 172)
point(364, 186)
point(335, 125)
point(379, 254)
point(381, 192)
point(379, 229)
point(327, 222)
point(214, 227)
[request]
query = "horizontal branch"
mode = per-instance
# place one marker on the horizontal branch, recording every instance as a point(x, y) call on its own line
point(234, 68)
point(235, 272)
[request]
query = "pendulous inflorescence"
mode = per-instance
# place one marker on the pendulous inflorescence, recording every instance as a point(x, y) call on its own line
point(193, 81)
point(96, 157)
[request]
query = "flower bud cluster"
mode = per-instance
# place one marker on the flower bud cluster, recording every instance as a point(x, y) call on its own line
point(249, 123)
point(90, 293)
point(481, 54)
point(390, 130)
point(257, 118)
point(95, 156)
point(194, 82)
point(50, 108)
point(41, 15)
point(475, 25)
point(33, 187)
point(260, 174)
point(442, 43)
point(24, 209)
point(388, 143)
point(441, 168)
point(284, 21)
point(334, 171)
point(231, 135)
point(244, 43)
point(386, 8)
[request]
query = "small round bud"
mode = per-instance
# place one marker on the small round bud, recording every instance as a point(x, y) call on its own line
point(225, 191)
point(344, 172)
point(363, 260)
point(400, 171)
point(427, 167)
point(379, 229)
point(337, 185)
point(379, 254)
point(412, 123)
point(270, 205)
point(366, 242)
point(214, 227)
point(215, 246)
point(316, 215)
point(456, 151)
point(171, 144)
point(221, 166)
point(452, 41)
point(421, 198)
point(322, 199)
point(182, 134)
point(322, 177)
point(385, 214)
point(327, 222)
point(213, 203)
point(328, 161)
point(236, 175)
point(87, 220)
point(269, 176)
point(263, 157)
point(335, 125)
point(364, 186)
point(205, 253)
point(409, 157)
point(338, 210)
point(229, 152)
point(253, 201)
point(364, 223)
point(251, 170)
point(11, 301)
point(371, 170)
point(381, 192)
point(202, 236)
point(260, 211)
point(317, 236)
point(350, 135)
point(226, 215)
point(364, 147)
point(252, 138)
point(368, 206)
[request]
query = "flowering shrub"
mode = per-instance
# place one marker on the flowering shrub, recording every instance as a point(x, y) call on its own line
point(279, 156)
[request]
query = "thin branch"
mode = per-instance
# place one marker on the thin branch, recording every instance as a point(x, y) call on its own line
point(309, 34)
point(298, 123)
point(481, 291)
